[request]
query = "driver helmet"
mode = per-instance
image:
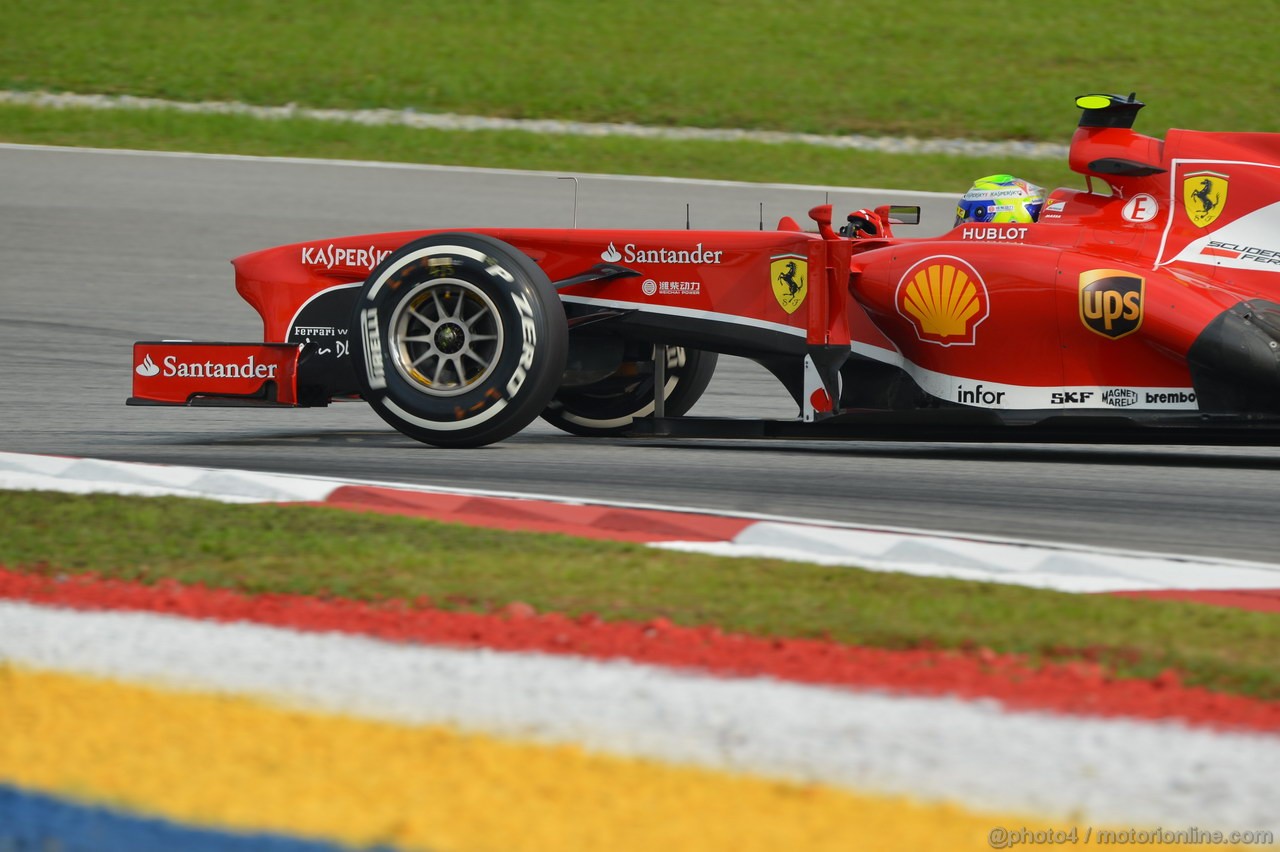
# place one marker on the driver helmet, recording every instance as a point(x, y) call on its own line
point(1000, 198)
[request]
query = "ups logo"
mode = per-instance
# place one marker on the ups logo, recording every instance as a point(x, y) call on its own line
point(1111, 302)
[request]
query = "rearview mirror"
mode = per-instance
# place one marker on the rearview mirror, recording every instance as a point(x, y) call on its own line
point(904, 214)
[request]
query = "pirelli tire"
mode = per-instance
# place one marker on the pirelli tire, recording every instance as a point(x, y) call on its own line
point(458, 340)
point(608, 407)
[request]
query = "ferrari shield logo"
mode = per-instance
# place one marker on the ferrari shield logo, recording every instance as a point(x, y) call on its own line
point(1111, 302)
point(1203, 196)
point(790, 276)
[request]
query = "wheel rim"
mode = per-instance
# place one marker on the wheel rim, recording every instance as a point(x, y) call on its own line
point(445, 337)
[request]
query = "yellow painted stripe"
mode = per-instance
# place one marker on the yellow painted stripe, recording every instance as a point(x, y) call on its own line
point(240, 763)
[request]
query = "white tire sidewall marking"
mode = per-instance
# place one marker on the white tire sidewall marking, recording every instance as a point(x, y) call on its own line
point(429, 251)
point(443, 425)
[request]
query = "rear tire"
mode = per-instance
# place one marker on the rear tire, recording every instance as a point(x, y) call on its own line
point(458, 340)
point(609, 406)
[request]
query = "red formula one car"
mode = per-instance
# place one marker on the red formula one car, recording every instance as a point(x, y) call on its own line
point(1146, 307)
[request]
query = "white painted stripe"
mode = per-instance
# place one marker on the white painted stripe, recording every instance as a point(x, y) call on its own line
point(58, 473)
point(555, 127)
point(1060, 569)
point(973, 753)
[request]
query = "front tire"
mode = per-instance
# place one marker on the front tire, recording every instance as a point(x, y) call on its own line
point(458, 340)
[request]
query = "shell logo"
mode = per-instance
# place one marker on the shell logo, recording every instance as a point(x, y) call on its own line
point(945, 299)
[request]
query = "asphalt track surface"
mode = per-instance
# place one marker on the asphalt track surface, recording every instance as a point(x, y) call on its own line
point(99, 249)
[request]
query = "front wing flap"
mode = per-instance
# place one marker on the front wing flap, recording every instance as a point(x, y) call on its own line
point(191, 373)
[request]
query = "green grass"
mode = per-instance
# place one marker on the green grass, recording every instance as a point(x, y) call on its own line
point(933, 68)
point(996, 69)
point(373, 557)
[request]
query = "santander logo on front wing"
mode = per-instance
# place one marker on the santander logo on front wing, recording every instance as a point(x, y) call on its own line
point(248, 369)
point(176, 371)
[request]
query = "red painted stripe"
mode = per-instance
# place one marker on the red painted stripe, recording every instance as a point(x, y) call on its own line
point(1219, 252)
point(587, 521)
point(1077, 688)
point(1258, 600)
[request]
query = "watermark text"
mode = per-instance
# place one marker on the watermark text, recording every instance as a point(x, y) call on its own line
point(1011, 837)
